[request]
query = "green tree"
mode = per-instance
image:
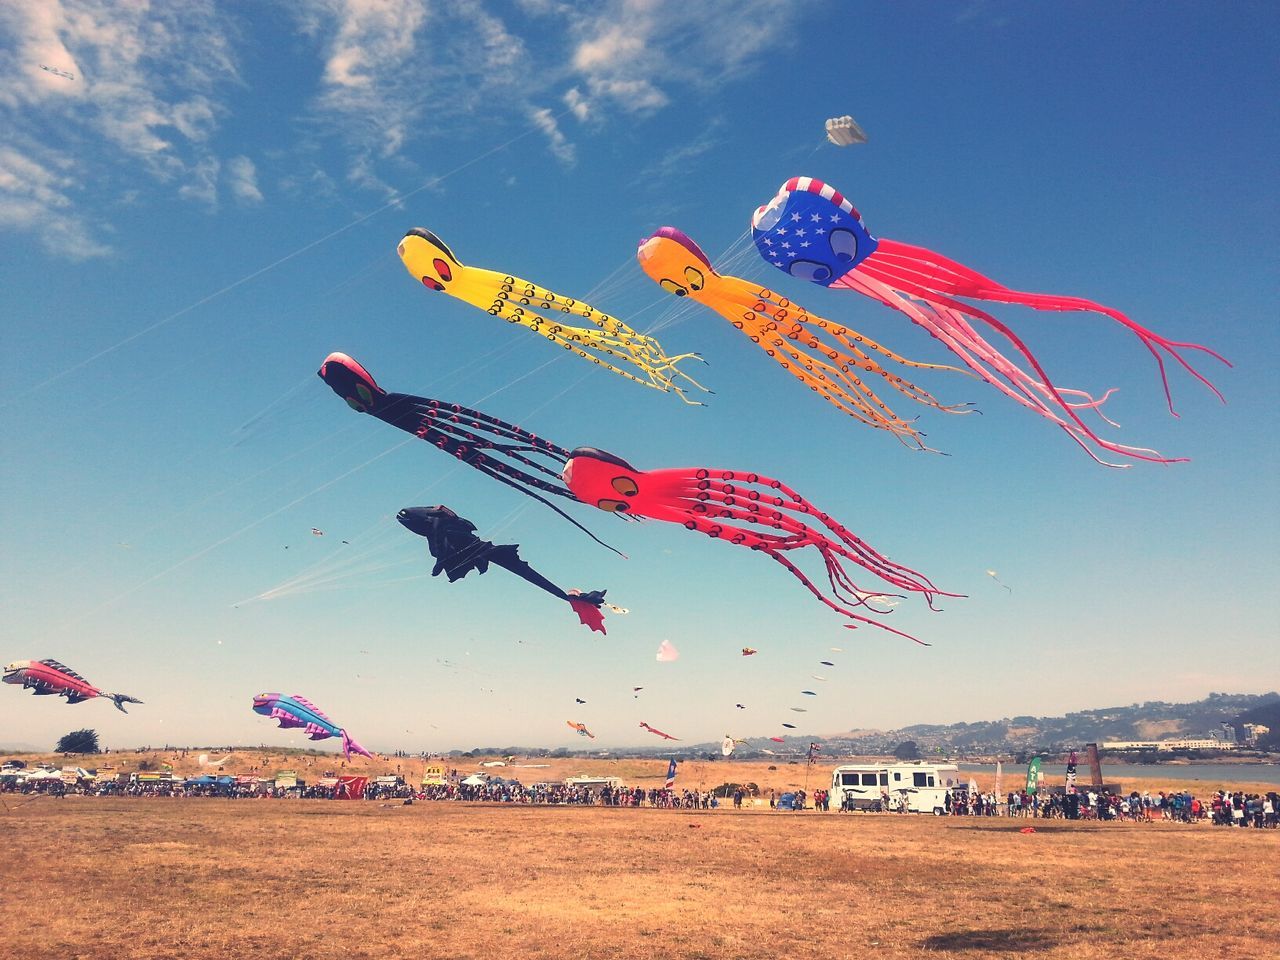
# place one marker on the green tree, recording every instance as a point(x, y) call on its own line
point(79, 741)
point(907, 750)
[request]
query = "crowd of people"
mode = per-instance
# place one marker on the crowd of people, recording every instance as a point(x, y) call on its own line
point(1224, 808)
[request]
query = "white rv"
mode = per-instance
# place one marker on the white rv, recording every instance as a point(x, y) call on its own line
point(915, 787)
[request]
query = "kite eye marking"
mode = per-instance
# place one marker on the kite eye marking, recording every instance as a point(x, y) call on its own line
point(809, 270)
point(672, 287)
point(613, 506)
point(625, 486)
point(844, 244)
point(442, 268)
point(362, 401)
point(432, 284)
point(695, 278)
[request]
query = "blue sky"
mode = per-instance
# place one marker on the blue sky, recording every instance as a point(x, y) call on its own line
point(212, 203)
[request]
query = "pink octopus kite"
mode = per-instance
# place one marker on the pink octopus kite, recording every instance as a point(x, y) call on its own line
point(810, 231)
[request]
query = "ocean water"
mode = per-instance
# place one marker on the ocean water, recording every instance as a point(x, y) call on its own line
point(1224, 774)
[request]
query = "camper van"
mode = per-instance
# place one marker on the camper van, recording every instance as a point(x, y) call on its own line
point(914, 787)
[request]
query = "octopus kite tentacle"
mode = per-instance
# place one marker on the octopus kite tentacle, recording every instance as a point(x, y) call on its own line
point(954, 330)
point(841, 373)
point(430, 261)
point(463, 433)
point(728, 505)
point(809, 230)
point(457, 430)
point(943, 275)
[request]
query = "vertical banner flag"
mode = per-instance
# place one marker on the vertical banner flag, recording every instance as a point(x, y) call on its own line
point(671, 773)
point(1033, 775)
point(1071, 772)
point(1095, 765)
point(999, 771)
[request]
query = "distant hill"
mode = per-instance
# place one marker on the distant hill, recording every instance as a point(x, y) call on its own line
point(1153, 720)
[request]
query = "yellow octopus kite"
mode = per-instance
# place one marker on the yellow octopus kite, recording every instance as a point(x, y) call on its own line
point(510, 298)
point(842, 374)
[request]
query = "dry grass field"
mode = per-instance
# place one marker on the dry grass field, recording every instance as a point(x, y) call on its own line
point(197, 878)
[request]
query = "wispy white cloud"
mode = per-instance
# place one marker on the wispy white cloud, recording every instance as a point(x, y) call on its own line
point(313, 182)
point(372, 57)
point(153, 86)
point(617, 62)
point(202, 182)
point(545, 121)
point(676, 161)
point(242, 180)
point(981, 11)
point(36, 198)
point(577, 104)
point(146, 95)
point(395, 72)
point(631, 52)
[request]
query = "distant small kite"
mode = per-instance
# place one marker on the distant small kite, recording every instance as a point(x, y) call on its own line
point(741, 706)
point(667, 652)
point(844, 131)
point(578, 700)
point(749, 651)
point(57, 73)
point(992, 575)
point(658, 733)
point(581, 728)
point(317, 532)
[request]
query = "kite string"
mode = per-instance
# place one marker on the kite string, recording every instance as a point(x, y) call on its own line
point(298, 583)
point(231, 536)
point(395, 201)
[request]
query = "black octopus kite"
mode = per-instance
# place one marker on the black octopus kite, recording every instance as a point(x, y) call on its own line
point(496, 448)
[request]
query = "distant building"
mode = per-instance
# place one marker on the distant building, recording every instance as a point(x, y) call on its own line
point(1253, 731)
point(1166, 746)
